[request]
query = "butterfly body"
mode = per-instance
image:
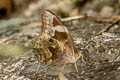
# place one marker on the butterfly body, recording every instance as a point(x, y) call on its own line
point(55, 45)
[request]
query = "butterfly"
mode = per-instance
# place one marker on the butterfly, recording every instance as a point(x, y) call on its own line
point(55, 44)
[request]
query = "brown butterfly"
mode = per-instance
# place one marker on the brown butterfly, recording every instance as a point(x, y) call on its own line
point(55, 45)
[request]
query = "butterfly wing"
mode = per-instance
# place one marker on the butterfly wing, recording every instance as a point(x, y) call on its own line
point(54, 27)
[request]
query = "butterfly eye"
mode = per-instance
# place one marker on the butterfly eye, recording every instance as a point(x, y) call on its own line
point(51, 40)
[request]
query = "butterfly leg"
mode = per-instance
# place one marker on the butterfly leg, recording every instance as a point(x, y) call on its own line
point(75, 60)
point(76, 67)
point(81, 55)
point(63, 67)
point(75, 63)
point(38, 67)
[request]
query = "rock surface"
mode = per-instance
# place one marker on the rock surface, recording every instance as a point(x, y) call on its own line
point(101, 53)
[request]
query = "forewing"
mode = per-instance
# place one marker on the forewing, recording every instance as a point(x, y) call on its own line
point(55, 27)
